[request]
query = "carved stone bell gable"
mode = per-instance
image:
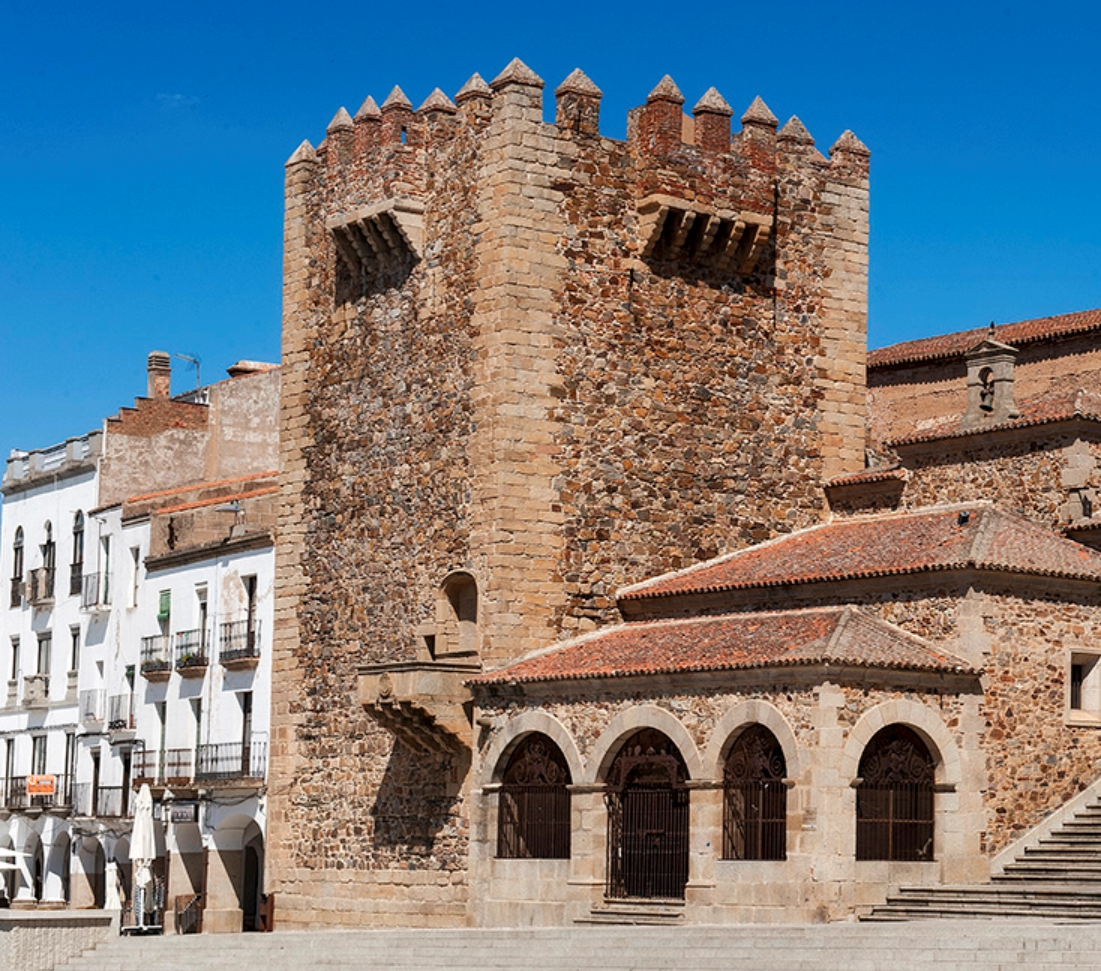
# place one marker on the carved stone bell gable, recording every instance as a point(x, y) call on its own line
point(990, 400)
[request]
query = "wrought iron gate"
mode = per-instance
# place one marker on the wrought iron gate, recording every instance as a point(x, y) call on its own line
point(647, 803)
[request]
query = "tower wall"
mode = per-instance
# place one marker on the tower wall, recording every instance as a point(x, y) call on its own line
point(555, 362)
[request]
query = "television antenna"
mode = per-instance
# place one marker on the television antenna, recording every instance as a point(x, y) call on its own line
point(194, 361)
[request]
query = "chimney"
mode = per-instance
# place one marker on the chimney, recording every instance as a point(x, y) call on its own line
point(159, 369)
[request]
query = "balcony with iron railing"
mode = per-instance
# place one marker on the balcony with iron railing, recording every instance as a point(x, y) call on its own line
point(18, 794)
point(227, 761)
point(239, 647)
point(156, 663)
point(208, 764)
point(95, 591)
point(174, 766)
point(191, 653)
point(106, 801)
point(120, 712)
point(91, 702)
point(40, 585)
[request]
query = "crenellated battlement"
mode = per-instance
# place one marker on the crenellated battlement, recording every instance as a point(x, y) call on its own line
point(703, 192)
point(658, 129)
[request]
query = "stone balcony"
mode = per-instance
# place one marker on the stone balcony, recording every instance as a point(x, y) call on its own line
point(422, 703)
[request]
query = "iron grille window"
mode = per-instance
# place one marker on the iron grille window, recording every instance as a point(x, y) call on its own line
point(647, 802)
point(894, 800)
point(76, 568)
point(533, 811)
point(755, 798)
point(17, 569)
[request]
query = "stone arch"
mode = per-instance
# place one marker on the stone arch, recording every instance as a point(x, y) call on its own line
point(737, 719)
point(32, 867)
point(625, 724)
point(57, 869)
point(497, 756)
point(7, 876)
point(919, 717)
point(91, 887)
point(226, 908)
point(120, 854)
point(252, 889)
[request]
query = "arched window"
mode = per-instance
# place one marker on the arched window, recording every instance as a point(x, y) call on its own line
point(755, 798)
point(533, 815)
point(456, 617)
point(986, 389)
point(49, 560)
point(894, 798)
point(17, 568)
point(76, 568)
point(647, 801)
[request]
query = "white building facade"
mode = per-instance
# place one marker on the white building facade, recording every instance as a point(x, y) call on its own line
point(44, 634)
point(135, 645)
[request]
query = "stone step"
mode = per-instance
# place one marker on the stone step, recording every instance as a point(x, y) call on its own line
point(1050, 871)
point(1056, 878)
point(1062, 854)
point(635, 912)
point(977, 945)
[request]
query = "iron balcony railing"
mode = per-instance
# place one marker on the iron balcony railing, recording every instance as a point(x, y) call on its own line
point(172, 766)
point(232, 760)
point(108, 801)
point(239, 641)
point(191, 649)
point(40, 585)
point(91, 702)
point(17, 796)
point(95, 591)
point(154, 654)
point(120, 712)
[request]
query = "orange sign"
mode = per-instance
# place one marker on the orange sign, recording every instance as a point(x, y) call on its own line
point(40, 785)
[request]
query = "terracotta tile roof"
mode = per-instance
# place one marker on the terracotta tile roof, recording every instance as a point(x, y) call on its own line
point(1035, 411)
point(867, 476)
point(968, 536)
point(196, 486)
point(957, 344)
point(842, 636)
point(218, 500)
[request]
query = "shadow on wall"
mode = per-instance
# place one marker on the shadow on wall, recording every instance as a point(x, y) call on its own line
point(418, 803)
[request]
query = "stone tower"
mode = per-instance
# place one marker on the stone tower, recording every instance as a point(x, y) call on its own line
point(524, 365)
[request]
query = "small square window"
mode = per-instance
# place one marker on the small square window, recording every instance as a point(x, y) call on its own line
point(1084, 688)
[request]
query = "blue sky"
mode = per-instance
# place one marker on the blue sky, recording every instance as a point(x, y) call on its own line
point(142, 151)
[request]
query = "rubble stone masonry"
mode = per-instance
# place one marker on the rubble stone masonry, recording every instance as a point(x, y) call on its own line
point(556, 362)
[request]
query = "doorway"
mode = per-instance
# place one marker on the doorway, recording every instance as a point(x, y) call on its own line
point(647, 803)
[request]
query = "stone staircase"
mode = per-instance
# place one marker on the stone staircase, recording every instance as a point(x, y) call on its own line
point(977, 946)
point(1058, 877)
